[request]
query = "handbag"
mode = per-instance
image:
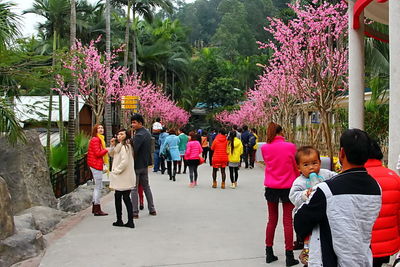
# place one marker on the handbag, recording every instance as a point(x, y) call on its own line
point(201, 160)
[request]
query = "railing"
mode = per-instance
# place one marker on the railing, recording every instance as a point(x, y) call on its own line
point(59, 179)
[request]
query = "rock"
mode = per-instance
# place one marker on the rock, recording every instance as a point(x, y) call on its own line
point(24, 221)
point(79, 199)
point(22, 245)
point(25, 170)
point(44, 219)
point(6, 216)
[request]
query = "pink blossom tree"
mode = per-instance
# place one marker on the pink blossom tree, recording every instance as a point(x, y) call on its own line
point(100, 81)
point(312, 49)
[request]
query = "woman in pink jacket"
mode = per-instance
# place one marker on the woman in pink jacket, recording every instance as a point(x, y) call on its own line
point(280, 172)
point(192, 157)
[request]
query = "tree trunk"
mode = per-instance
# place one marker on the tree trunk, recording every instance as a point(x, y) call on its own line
point(128, 25)
point(134, 55)
point(107, 108)
point(51, 100)
point(71, 112)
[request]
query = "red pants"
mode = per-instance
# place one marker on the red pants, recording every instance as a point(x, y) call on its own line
point(140, 193)
point(273, 221)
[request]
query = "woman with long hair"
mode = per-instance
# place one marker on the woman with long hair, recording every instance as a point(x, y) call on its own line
point(122, 179)
point(234, 150)
point(96, 158)
point(280, 173)
point(192, 157)
point(170, 150)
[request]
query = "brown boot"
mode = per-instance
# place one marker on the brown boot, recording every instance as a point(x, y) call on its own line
point(92, 207)
point(98, 211)
point(214, 184)
point(223, 185)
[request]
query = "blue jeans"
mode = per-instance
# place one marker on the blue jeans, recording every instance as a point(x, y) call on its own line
point(156, 160)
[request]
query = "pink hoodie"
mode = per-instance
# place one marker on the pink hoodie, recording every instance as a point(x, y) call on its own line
point(280, 164)
point(193, 150)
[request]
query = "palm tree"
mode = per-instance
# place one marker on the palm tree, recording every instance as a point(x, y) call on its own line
point(144, 8)
point(107, 108)
point(8, 24)
point(9, 125)
point(56, 12)
point(71, 111)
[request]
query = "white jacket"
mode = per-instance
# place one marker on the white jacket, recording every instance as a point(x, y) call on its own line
point(122, 176)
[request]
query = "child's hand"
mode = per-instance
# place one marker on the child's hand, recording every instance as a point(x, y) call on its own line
point(308, 192)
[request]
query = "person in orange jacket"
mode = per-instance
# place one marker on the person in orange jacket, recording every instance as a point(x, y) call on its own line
point(386, 231)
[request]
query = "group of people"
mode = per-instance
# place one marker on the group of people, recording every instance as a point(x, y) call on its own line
point(131, 160)
point(346, 219)
point(176, 148)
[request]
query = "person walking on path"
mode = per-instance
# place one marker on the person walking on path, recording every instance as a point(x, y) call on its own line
point(280, 172)
point(170, 150)
point(161, 140)
point(220, 158)
point(211, 136)
point(183, 140)
point(245, 140)
point(204, 145)
point(342, 211)
point(142, 158)
point(96, 157)
point(253, 143)
point(156, 154)
point(121, 178)
point(192, 157)
point(386, 231)
point(234, 150)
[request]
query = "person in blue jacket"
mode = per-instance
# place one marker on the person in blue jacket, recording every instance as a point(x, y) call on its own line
point(170, 150)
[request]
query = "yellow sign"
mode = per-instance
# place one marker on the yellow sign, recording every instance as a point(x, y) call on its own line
point(130, 103)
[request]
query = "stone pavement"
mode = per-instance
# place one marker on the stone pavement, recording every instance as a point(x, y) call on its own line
point(198, 226)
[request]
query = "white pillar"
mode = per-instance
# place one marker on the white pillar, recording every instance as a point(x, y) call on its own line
point(394, 103)
point(356, 71)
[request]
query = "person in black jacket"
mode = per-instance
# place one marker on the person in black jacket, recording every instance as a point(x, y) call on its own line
point(342, 211)
point(245, 136)
point(142, 158)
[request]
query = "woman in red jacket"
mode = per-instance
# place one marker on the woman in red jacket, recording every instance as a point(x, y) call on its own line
point(386, 231)
point(97, 151)
point(220, 157)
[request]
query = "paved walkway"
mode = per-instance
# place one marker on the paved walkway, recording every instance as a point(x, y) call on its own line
point(198, 226)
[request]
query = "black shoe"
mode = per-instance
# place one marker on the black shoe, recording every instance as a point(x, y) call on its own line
point(178, 173)
point(153, 213)
point(170, 178)
point(130, 224)
point(118, 223)
point(173, 178)
point(141, 207)
point(269, 255)
point(290, 261)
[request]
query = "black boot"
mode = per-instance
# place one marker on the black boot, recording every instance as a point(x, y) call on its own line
point(269, 253)
point(290, 261)
point(118, 209)
point(129, 210)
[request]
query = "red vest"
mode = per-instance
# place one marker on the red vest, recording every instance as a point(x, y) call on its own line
point(95, 154)
point(386, 231)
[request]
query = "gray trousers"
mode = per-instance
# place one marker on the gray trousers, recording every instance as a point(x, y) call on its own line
point(142, 177)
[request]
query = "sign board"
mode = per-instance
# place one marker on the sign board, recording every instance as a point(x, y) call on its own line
point(130, 103)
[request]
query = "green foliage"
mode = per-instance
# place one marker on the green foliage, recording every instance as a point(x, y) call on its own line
point(8, 24)
point(59, 153)
point(9, 125)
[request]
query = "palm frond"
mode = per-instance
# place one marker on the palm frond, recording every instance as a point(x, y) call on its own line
point(9, 124)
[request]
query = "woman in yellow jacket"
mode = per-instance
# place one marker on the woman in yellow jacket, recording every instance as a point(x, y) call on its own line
point(234, 150)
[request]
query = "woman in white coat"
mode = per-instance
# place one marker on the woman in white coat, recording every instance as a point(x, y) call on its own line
point(122, 177)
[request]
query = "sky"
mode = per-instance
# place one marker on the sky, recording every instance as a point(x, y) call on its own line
point(29, 21)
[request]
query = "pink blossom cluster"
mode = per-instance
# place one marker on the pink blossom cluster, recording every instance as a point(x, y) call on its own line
point(99, 81)
point(309, 63)
point(153, 102)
